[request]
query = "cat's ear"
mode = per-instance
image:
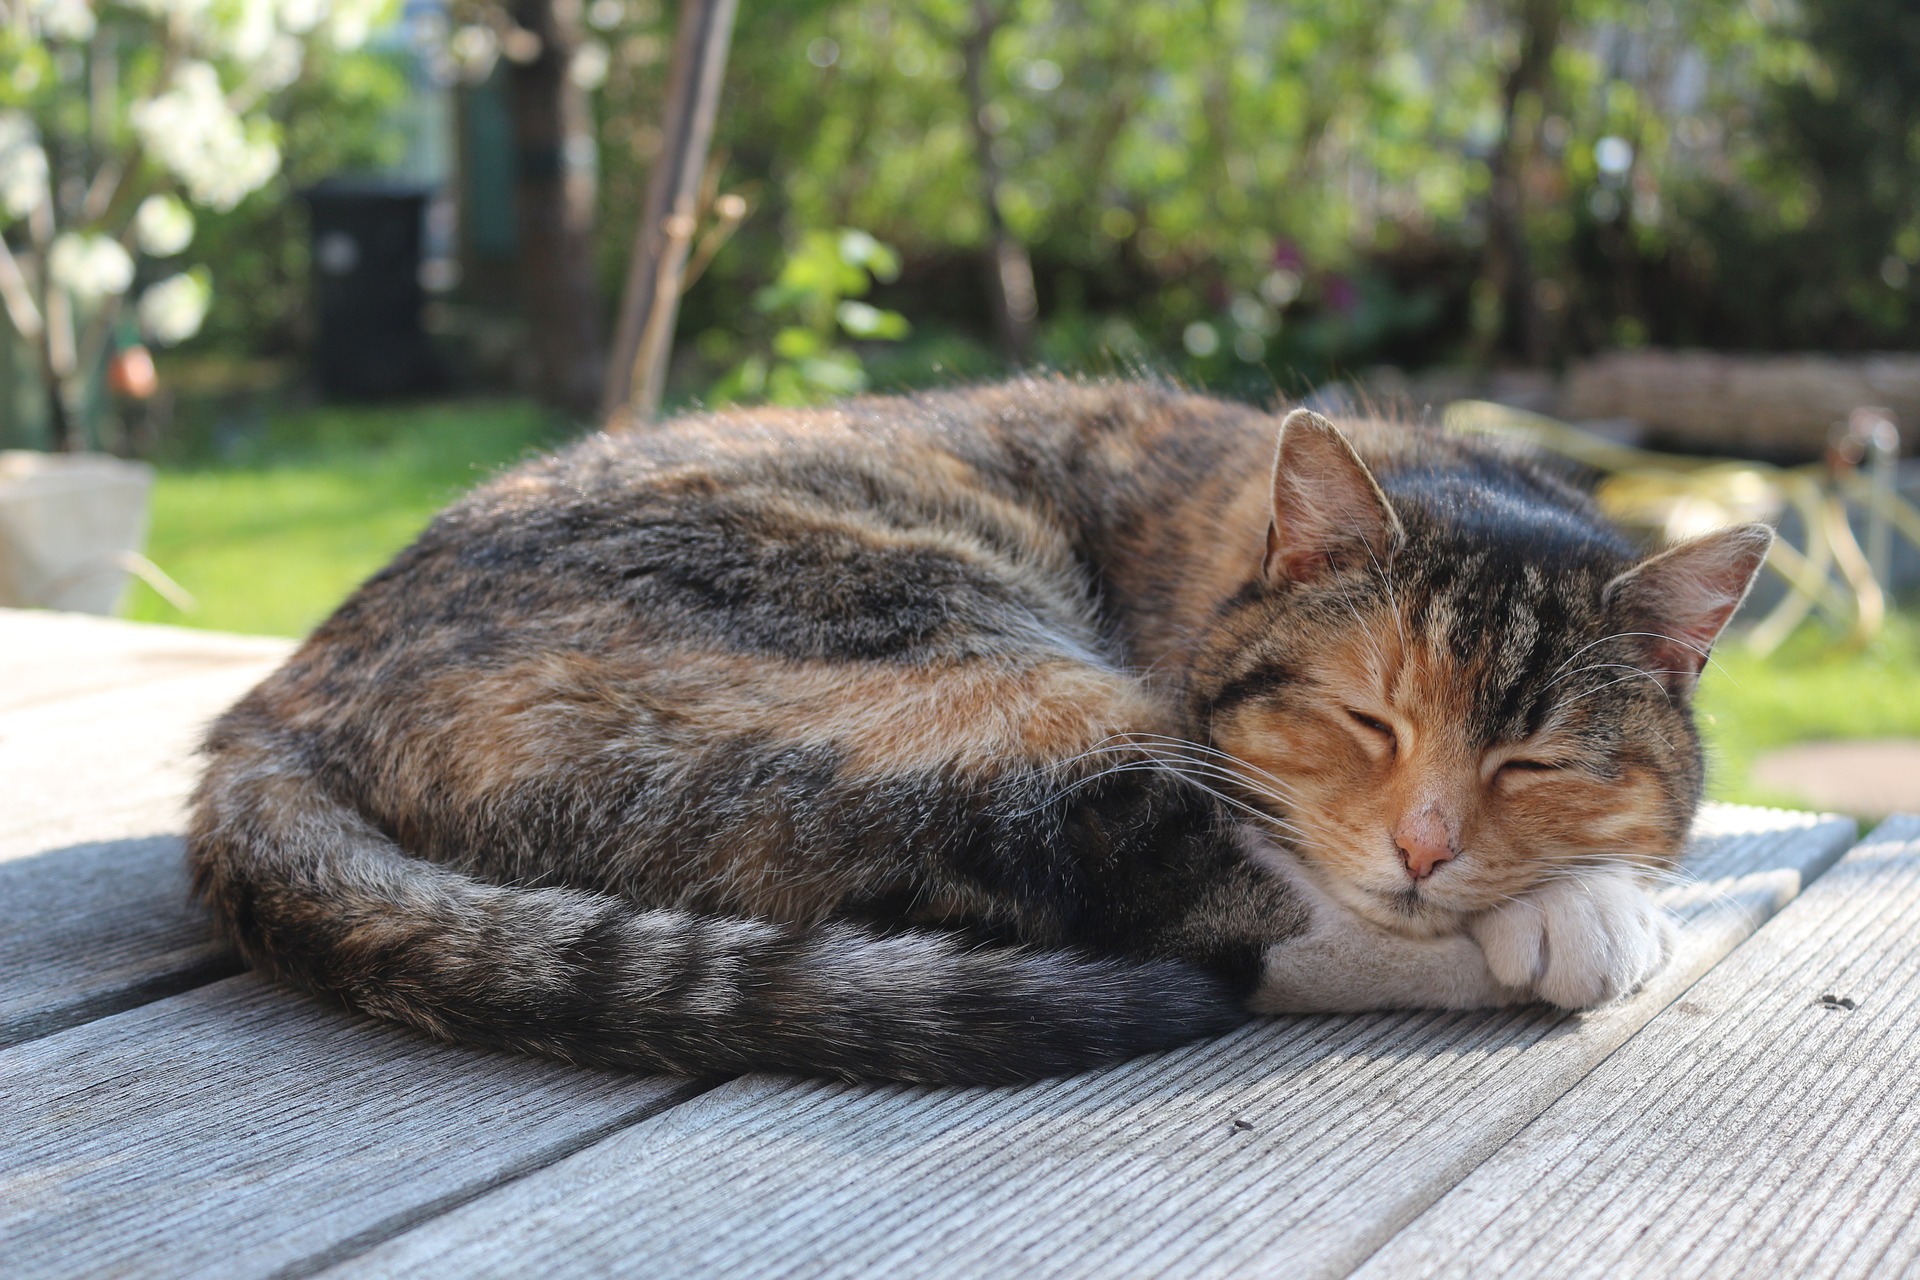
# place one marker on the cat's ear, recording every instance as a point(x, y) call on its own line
point(1328, 511)
point(1684, 596)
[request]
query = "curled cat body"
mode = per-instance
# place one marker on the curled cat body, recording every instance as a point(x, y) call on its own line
point(975, 736)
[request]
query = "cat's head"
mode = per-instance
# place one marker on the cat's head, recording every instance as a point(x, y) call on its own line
point(1454, 680)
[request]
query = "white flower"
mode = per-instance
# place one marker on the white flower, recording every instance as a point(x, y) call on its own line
point(350, 21)
point(23, 166)
point(167, 8)
point(249, 29)
point(65, 19)
point(164, 226)
point(89, 265)
point(589, 66)
point(475, 49)
point(279, 66)
point(302, 16)
point(192, 131)
point(173, 310)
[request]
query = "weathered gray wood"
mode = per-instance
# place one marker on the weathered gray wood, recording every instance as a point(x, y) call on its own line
point(241, 1130)
point(1749, 1130)
point(92, 930)
point(98, 722)
point(1296, 1147)
point(109, 764)
point(45, 656)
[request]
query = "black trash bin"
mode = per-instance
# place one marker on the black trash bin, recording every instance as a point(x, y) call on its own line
point(367, 299)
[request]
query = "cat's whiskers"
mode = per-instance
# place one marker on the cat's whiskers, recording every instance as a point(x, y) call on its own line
point(1393, 601)
point(1638, 673)
point(1184, 766)
point(1207, 750)
point(1224, 774)
point(1275, 787)
point(1594, 666)
point(1367, 638)
point(1140, 756)
point(1149, 764)
point(1683, 879)
point(1705, 653)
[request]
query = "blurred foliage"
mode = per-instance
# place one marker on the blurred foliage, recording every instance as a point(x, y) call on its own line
point(339, 117)
point(1259, 193)
point(150, 150)
point(816, 299)
point(1811, 237)
point(1250, 193)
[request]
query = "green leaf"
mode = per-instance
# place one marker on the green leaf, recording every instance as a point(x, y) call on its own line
point(796, 343)
point(859, 249)
point(838, 373)
point(865, 321)
point(746, 381)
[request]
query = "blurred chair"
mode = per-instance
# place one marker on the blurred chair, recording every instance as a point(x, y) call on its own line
point(1672, 496)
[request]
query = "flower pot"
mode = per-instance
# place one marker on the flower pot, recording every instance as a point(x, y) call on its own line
point(71, 529)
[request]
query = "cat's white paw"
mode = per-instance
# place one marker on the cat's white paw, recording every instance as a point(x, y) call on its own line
point(1577, 942)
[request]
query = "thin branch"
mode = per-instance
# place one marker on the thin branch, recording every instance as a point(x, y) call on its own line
point(18, 295)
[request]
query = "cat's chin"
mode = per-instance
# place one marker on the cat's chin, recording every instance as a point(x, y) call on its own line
point(1407, 912)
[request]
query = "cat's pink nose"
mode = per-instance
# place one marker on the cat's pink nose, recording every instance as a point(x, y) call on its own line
point(1424, 843)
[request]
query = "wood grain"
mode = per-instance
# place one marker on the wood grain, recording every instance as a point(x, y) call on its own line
point(98, 725)
point(47, 656)
point(92, 930)
point(1295, 1147)
point(240, 1130)
point(1753, 1129)
point(110, 764)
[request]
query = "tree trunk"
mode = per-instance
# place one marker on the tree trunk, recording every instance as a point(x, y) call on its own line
point(553, 204)
point(1509, 266)
point(1009, 267)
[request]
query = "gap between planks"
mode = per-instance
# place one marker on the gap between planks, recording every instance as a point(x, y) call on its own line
point(1767, 1124)
point(243, 1130)
point(1357, 1125)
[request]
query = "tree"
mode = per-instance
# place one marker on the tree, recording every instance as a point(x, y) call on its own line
point(115, 128)
point(554, 206)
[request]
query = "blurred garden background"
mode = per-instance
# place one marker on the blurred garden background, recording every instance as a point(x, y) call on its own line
point(323, 263)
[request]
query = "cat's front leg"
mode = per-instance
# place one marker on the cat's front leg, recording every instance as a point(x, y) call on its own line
point(1578, 941)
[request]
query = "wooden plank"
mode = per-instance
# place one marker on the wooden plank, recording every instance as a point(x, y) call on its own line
point(240, 1130)
point(110, 764)
point(94, 911)
point(94, 929)
point(47, 656)
point(1754, 1128)
point(1295, 1147)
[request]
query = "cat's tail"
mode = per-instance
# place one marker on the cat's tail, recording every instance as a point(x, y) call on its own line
point(312, 892)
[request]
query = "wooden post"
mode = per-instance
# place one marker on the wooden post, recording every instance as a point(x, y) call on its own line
point(637, 371)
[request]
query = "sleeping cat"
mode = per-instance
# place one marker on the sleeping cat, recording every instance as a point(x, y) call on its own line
point(974, 736)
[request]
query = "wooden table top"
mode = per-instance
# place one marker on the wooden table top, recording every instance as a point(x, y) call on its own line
point(163, 1112)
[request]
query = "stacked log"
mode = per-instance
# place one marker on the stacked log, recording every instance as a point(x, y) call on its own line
point(1782, 407)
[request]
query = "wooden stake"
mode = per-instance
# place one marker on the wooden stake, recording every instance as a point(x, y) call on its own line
point(636, 373)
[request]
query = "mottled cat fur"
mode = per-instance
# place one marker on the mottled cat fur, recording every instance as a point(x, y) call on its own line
point(973, 736)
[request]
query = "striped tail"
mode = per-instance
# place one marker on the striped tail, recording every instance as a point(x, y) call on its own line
point(311, 892)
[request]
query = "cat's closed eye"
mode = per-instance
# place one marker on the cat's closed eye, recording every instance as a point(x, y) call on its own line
point(1376, 726)
point(1518, 769)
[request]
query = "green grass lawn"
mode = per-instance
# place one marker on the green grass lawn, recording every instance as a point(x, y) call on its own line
point(271, 537)
point(1811, 689)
